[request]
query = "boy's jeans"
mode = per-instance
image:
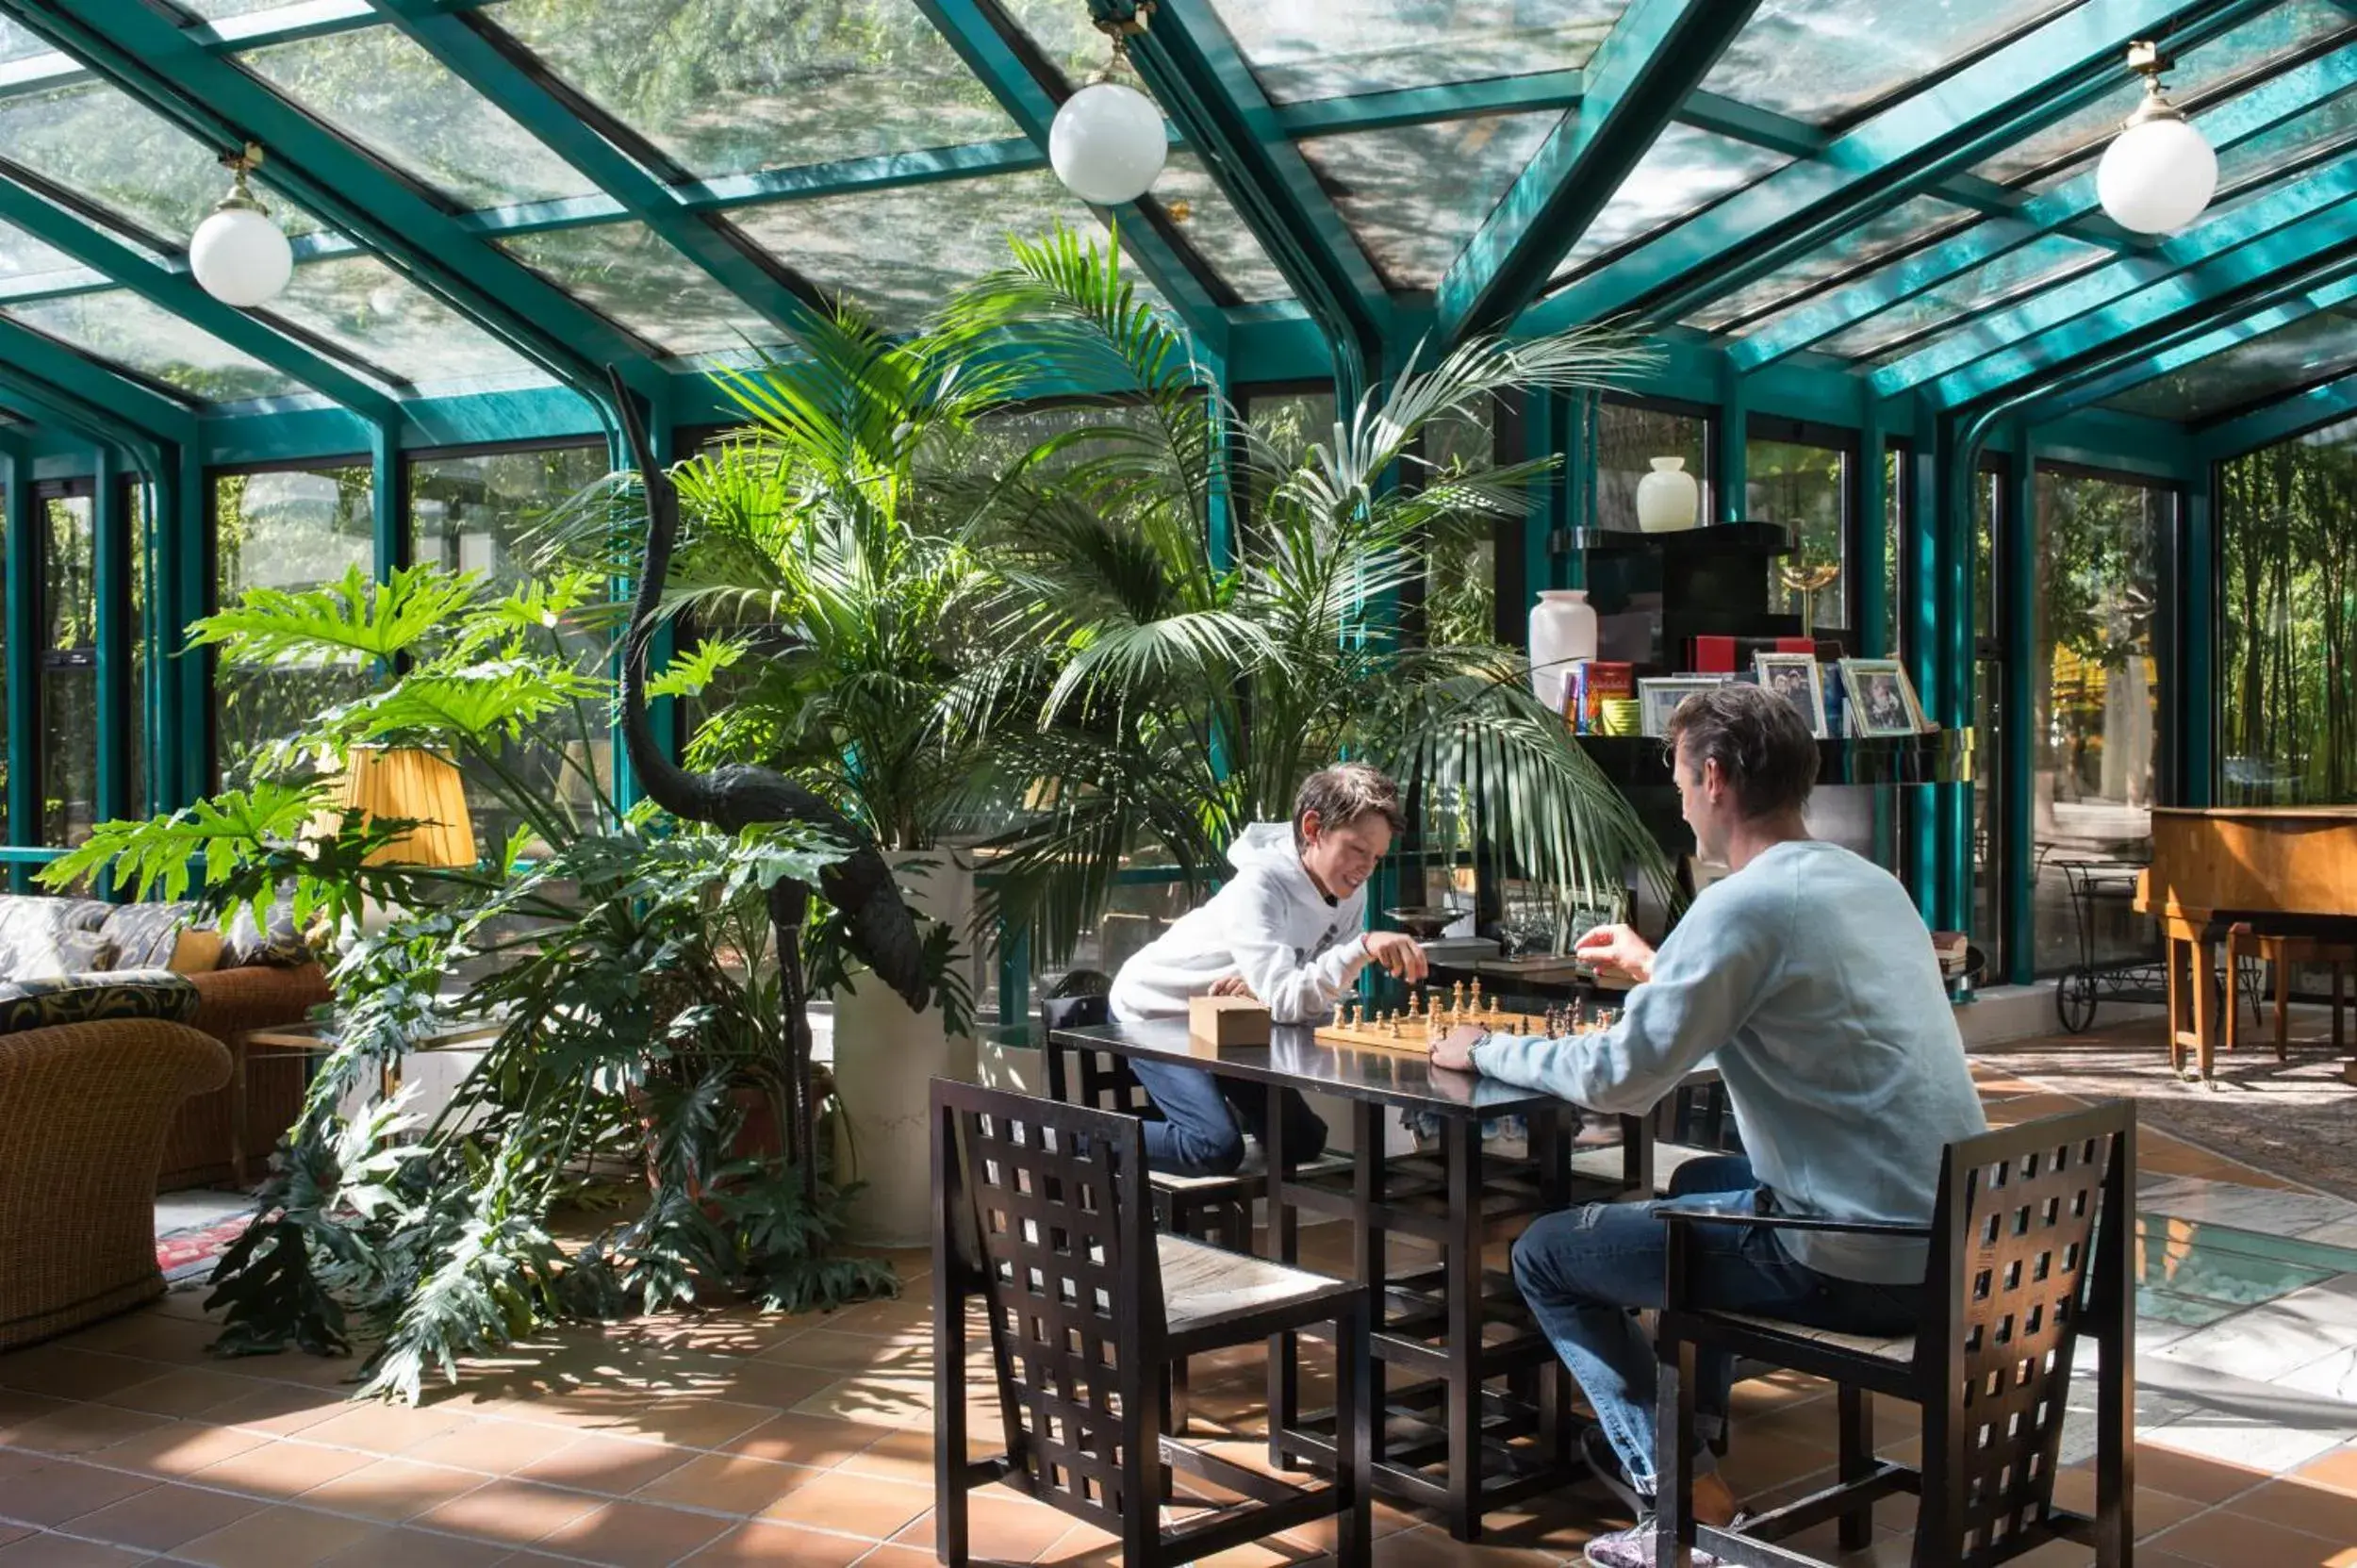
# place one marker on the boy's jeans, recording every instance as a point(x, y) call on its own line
point(1198, 1135)
point(1585, 1270)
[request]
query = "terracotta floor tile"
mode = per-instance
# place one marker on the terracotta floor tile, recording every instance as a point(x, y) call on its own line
point(494, 1448)
point(392, 1490)
point(635, 1535)
point(382, 1429)
point(610, 1465)
point(2338, 1469)
point(774, 1384)
point(1080, 1546)
point(82, 1430)
point(882, 1401)
point(1430, 1547)
point(2204, 1481)
point(2156, 1510)
point(508, 1509)
point(765, 1546)
point(66, 1373)
point(690, 1422)
point(279, 1408)
point(55, 1551)
point(162, 1517)
point(393, 1546)
point(999, 1529)
point(181, 1447)
point(855, 1505)
point(19, 1409)
point(2295, 1505)
point(729, 1483)
point(2227, 1540)
point(187, 1391)
point(56, 1493)
point(905, 1454)
point(281, 1470)
point(279, 1538)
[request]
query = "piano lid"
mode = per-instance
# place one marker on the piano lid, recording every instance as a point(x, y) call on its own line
point(2257, 860)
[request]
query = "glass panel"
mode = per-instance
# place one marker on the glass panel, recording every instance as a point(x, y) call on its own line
point(20, 42)
point(69, 671)
point(1461, 582)
point(1894, 524)
point(135, 499)
point(1627, 441)
point(1330, 48)
point(1414, 195)
point(221, 11)
point(630, 273)
point(2287, 711)
point(1822, 60)
point(1806, 488)
point(477, 514)
point(1877, 237)
point(119, 325)
point(1988, 718)
point(362, 306)
point(96, 140)
point(2080, 133)
point(22, 255)
point(2313, 349)
point(2247, 163)
point(5, 832)
point(292, 529)
point(2096, 736)
point(386, 93)
point(900, 252)
point(1682, 171)
point(1217, 231)
point(764, 84)
point(1965, 296)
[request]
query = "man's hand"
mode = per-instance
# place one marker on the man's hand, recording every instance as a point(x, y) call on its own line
point(1398, 952)
point(1232, 985)
point(1616, 947)
point(1455, 1048)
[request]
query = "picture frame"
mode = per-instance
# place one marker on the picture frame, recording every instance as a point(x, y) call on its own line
point(1882, 699)
point(1658, 695)
point(1798, 680)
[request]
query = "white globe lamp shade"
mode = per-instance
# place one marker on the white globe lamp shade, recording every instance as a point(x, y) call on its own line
point(1107, 143)
point(239, 256)
point(2158, 175)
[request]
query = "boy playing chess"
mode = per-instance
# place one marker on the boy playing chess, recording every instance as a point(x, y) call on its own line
point(1287, 929)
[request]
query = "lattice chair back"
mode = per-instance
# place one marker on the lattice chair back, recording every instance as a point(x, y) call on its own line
point(1097, 1078)
point(1072, 1285)
point(2031, 1243)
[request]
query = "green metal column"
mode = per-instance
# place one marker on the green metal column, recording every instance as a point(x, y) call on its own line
point(2016, 587)
point(2195, 675)
point(1920, 578)
point(23, 614)
point(1733, 469)
point(1956, 708)
point(161, 720)
point(1870, 554)
point(389, 499)
point(111, 617)
point(188, 548)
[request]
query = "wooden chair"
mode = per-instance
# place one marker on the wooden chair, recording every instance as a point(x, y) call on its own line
point(2032, 1245)
point(2244, 942)
point(1042, 1210)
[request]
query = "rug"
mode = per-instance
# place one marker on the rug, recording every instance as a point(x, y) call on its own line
point(2296, 1119)
point(189, 1255)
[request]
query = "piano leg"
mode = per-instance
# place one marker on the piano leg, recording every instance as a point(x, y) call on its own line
point(2205, 1000)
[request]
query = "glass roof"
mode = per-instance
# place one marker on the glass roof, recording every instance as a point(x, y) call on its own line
point(856, 148)
point(2308, 351)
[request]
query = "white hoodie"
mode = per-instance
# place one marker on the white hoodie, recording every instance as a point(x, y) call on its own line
point(1297, 948)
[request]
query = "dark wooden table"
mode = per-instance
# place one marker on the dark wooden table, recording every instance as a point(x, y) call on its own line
point(1446, 1437)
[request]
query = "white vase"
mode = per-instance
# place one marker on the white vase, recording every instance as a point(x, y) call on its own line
point(1563, 633)
point(885, 1059)
point(1668, 498)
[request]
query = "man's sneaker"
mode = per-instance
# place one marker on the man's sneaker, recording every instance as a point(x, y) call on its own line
point(1635, 1547)
point(1607, 1465)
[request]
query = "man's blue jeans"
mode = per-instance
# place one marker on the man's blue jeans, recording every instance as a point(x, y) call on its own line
point(1198, 1135)
point(1586, 1270)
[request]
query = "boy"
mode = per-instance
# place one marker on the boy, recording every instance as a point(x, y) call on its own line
point(1286, 930)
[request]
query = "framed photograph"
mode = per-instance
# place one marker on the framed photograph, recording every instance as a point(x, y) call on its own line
point(1795, 678)
point(1658, 695)
point(1882, 699)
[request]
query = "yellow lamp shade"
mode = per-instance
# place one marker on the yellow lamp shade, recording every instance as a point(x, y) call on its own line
point(404, 783)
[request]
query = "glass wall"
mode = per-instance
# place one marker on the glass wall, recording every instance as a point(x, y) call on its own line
point(2095, 743)
point(292, 530)
point(69, 666)
point(1461, 582)
point(489, 512)
point(1806, 487)
point(1988, 718)
point(1629, 436)
point(2287, 677)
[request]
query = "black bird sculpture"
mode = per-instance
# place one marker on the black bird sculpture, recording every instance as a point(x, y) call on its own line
point(883, 934)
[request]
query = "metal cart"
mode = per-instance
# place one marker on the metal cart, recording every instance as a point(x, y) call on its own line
point(2096, 882)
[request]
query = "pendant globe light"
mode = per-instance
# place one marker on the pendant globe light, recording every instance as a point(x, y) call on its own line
point(1107, 143)
point(2159, 172)
point(239, 256)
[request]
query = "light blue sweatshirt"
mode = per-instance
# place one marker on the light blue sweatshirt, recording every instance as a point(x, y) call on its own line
point(1811, 975)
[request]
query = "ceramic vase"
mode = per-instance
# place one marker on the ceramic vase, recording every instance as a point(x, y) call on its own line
point(1668, 498)
point(1563, 633)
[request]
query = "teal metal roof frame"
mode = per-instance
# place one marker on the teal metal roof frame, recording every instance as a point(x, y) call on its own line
point(1830, 204)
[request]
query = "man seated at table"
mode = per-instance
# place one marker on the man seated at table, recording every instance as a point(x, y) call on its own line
point(1807, 971)
point(1285, 930)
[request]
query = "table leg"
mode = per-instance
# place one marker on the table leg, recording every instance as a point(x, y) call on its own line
point(1551, 1141)
point(1461, 1143)
point(1366, 1191)
point(1284, 1350)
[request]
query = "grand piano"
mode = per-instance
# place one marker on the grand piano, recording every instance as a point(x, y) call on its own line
point(2241, 881)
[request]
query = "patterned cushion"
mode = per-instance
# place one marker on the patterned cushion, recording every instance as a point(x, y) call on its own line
point(85, 999)
point(71, 952)
point(30, 928)
point(145, 934)
point(243, 944)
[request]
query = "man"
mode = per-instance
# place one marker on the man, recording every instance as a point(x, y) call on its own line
point(1807, 971)
point(1285, 930)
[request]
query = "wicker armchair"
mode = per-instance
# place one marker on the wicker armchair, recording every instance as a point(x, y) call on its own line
point(205, 1147)
point(84, 1110)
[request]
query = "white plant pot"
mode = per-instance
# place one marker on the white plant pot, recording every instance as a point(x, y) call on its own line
point(1668, 499)
point(885, 1059)
point(1562, 632)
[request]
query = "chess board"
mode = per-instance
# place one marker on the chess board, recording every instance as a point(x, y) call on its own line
point(1416, 1035)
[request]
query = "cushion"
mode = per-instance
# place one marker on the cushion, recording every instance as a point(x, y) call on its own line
point(30, 928)
point(196, 953)
point(71, 952)
point(86, 999)
point(145, 934)
point(277, 944)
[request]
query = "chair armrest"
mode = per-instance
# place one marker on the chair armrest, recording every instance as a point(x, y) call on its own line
point(1794, 1222)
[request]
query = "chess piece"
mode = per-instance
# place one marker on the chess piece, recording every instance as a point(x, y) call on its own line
point(1394, 1025)
point(1476, 996)
point(1456, 1001)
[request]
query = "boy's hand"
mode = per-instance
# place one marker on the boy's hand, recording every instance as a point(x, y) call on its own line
point(1398, 952)
point(1232, 985)
point(1616, 947)
point(1455, 1048)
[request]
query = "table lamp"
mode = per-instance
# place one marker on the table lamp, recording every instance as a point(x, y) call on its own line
point(408, 782)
